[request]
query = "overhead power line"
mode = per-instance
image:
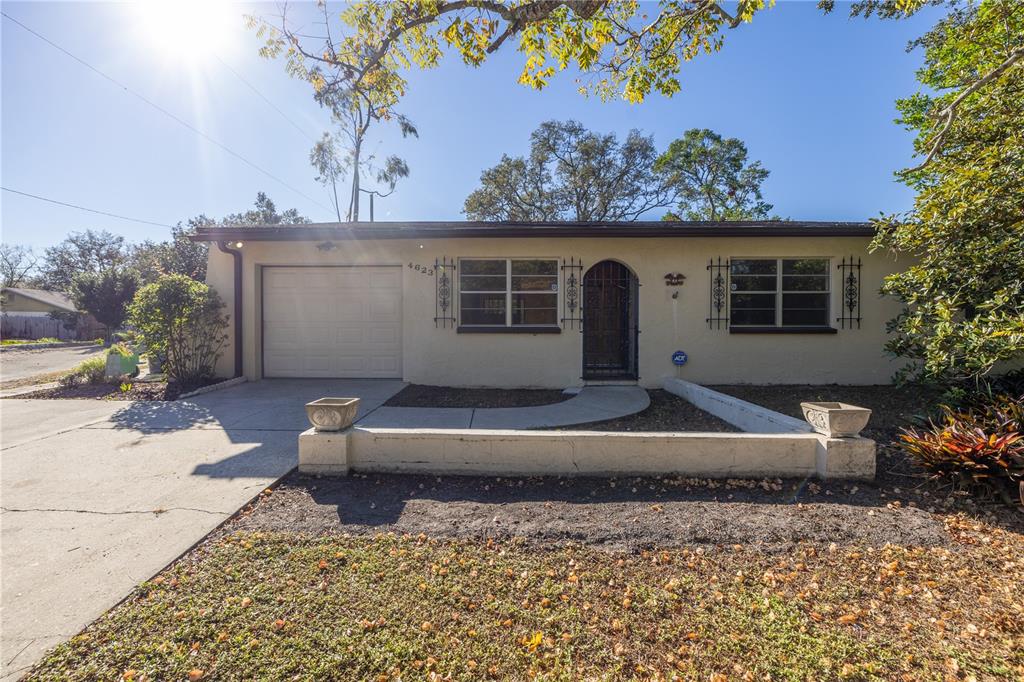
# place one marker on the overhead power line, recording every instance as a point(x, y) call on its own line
point(266, 99)
point(85, 208)
point(167, 113)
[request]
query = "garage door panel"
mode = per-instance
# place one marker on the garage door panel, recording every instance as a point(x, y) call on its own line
point(332, 322)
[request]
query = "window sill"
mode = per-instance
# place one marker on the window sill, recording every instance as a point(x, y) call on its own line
point(508, 330)
point(783, 330)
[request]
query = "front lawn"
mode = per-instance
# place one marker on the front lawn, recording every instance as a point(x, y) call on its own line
point(254, 605)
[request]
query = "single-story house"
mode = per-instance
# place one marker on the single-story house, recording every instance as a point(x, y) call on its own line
point(555, 304)
point(15, 300)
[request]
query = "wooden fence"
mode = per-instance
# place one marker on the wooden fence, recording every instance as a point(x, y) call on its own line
point(14, 326)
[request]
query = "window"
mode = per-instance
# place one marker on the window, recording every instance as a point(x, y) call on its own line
point(508, 292)
point(779, 292)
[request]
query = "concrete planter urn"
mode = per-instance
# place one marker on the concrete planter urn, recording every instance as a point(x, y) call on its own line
point(836, 420)
point(332, 414)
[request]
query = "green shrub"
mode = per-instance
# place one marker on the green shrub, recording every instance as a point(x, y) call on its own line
point(182, 321)
point(120, 349)
point(91, 371)
point(979, 444)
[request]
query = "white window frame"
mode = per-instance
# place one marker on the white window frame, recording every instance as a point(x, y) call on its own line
point(779, 292)
point(509, 292)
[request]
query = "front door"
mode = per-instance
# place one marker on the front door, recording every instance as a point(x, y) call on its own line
point(609, 322)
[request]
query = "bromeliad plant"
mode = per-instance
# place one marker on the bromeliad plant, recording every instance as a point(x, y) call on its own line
point(979, 445)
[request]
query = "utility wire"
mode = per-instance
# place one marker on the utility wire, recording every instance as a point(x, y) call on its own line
point(265, 99)
point(166, 112)
point(83, 208)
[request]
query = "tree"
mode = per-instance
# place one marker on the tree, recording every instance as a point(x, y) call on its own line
point(621, 48)
point(16, 262)
point(180, 255)
point(355, 111)
point(105, 295)
point(712, 178)
point(572, 174)
point(81, 252)
point(264, 212)
point(964, 293)
point(183, 321)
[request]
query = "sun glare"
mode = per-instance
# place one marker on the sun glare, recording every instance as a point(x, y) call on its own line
point(188, 30)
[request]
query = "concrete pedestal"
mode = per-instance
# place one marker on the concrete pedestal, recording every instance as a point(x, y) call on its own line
point(324, 452)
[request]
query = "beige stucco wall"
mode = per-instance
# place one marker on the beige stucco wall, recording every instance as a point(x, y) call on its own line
point(444, 357)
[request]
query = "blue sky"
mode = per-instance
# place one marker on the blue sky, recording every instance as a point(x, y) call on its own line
point(811, 95)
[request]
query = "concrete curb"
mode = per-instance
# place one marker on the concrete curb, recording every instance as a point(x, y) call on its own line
point(42, 346)
point(741, 414)
point(219, 386)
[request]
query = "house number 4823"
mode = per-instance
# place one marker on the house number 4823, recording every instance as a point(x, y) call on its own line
point(428, 271)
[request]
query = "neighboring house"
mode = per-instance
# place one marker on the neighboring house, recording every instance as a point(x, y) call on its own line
point(26, 315)
point(34, 301)
point(555, 304)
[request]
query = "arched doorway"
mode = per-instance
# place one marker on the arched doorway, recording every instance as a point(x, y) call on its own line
point(610, 322)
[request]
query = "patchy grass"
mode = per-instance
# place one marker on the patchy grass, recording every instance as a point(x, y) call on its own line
point(286, 606)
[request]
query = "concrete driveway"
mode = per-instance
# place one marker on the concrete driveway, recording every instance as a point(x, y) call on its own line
point(98, 496)
point(18, 364)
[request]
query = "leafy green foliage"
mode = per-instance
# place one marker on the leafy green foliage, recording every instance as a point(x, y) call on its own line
point(964, 291)
point(572, 174)
point(91, 371)
point(978, 445)
point(16, 265)
point(263, 212)
point(712, 178)
point(181, 320)
point(180, 255)
point(81, 252)
point(623, 49)
point(105, 295)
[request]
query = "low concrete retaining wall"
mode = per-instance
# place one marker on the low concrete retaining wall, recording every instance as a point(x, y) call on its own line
point(568, 453)
point(741, 414)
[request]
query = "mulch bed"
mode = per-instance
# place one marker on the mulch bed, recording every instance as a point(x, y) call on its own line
point(418, 395)
point(625, 513)
point(667, 412)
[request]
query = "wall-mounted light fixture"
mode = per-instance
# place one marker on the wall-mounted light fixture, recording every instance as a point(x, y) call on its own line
point(238, 245)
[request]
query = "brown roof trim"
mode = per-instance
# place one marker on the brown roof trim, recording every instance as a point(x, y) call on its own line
point(447, 230)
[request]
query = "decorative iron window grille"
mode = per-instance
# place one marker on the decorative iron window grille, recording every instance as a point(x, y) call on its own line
point(444, 293)
point(718, 293)
point(849, 271)
point(572, 274)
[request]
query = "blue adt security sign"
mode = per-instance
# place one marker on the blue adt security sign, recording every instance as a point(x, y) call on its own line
point(679, 358)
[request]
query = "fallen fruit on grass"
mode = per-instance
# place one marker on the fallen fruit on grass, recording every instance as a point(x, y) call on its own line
point(196, 674)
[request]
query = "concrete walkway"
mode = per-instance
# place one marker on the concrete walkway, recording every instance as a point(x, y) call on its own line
point(593, 404)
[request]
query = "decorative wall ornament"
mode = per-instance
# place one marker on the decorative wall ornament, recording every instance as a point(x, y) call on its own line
point(572, 273)
point(718, 295)
point(849, 275)
point(675, 279)
point(326, 246)
point(444, 293)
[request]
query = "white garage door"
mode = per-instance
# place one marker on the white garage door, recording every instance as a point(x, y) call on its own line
point(337, 322)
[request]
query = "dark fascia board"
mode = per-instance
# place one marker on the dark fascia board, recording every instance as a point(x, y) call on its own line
point(448, 230)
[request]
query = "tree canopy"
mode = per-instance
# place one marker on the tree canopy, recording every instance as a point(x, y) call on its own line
point(572, 173)
point(623, 48)
point(712, 178)
point(87, 251)
point(964, 285)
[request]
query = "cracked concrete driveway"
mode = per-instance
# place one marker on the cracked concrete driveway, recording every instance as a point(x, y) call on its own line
point(98, 496)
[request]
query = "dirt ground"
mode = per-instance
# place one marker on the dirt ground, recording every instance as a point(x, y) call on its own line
point(140, 390)
point(418, 395)
point(667, 412)
point(630, 514)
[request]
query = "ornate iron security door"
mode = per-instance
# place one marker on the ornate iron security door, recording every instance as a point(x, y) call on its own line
point(609, 322)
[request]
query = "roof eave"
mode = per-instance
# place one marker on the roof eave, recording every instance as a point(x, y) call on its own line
point(376, 231)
